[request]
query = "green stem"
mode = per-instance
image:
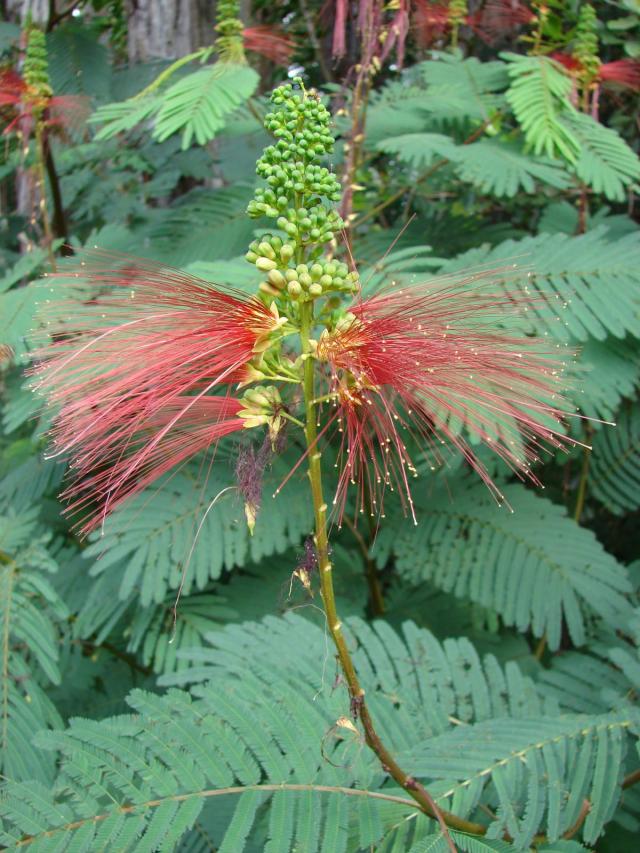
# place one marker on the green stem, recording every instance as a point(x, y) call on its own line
point(201, 53)
point(584, 479)
point(357, 695)
point(376, 598)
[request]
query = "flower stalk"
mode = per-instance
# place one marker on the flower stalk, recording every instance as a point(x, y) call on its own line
point(358, 703)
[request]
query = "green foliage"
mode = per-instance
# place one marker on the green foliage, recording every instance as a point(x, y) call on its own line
point(497, 558)
point(569, 275)
point(147, 544)
point(538, 94)
point(615, 471)
point(551, 766)
point(197, 106)
point(605, 162)
point(504, 672)
point(19, 300)
point(249, 731)
point(29, 612)
point(495, 168)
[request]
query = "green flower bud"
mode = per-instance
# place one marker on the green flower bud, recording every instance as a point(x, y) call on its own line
point(315, 290)
point(286, 252)
point(295, 289)
point(267, 250)
point(276, 278)
point(266, 264)
point(267, 288)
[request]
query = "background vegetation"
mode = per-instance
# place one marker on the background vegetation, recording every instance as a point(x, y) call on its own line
point(499, 650)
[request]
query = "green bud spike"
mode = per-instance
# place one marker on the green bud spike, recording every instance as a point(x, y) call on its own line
point(36, 64)
point(229, 27)
point(586, 44)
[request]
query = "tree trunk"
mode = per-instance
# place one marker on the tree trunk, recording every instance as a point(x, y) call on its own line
point(17, 10)
point(168, 28)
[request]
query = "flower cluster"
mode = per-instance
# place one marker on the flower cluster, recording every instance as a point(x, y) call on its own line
point(145, 373)
point(293, 172)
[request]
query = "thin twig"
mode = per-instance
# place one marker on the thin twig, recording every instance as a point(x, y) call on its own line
point(58, 220)
point(584, 477)
point(631, 779)
point(370, 570)
point(582, 816)
point(214, 792)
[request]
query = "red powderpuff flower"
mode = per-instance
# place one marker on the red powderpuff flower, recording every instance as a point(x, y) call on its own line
point(430, 21)
point(132, 371)
point(623, 72)
point(416, 361)
point(492, 22)
point(499, 18)
point(271, 42)
point(19, 104)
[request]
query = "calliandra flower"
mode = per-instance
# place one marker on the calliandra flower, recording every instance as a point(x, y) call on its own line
point(622, 72)
point(494, 20)
point(499, 18)
point(413, 361)
point(271, 42)
point(430, 21)
point(21, 104)
point(132, 370)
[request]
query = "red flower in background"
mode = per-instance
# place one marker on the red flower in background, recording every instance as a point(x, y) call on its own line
point(415, 361)
point(499, 18)
point(132, 377)
point(431, 21)
point(492, 22)
point(623, 72)
point(21, 104)
point(271, 42)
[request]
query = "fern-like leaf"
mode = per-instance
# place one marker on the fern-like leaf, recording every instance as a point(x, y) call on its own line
point(258, 721)
point(539, 96)
point(499, 559)
point(124, 115)
point(614, 476)
point(605, 163)
point(199, 104)
point(148, 542)
point(29, 606)
point(607, 372)
point(494, 167)
point(573, 279)
point(535, 754)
